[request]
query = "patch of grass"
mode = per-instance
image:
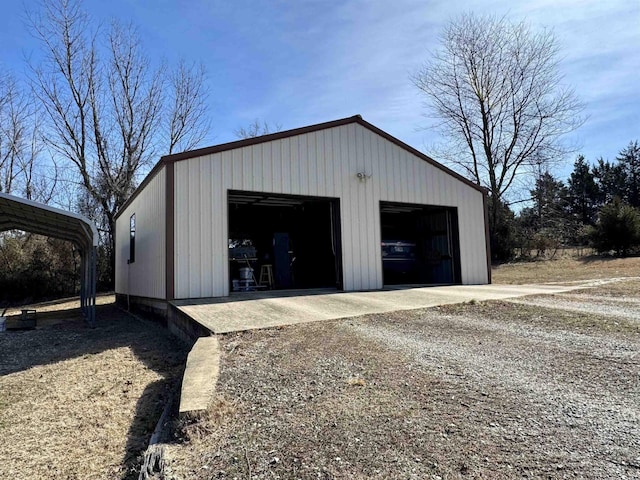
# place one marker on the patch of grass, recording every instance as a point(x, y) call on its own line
point(624, 289)
point(194, 426)
point(80, 402)
point(565, 269)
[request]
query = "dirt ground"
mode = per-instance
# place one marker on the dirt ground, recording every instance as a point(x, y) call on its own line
point(79, 403)
point(531, 388)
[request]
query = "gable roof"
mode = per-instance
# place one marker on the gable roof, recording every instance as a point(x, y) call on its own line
point(21, 214)
point(177, 157)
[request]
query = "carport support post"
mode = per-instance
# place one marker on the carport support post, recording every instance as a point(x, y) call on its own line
point(83, 280)
point(88, 284)
point(92, 286)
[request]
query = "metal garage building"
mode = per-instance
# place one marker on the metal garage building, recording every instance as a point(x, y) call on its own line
point(338, 205)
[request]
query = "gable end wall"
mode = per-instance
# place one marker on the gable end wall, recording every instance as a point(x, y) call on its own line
point(321, 163)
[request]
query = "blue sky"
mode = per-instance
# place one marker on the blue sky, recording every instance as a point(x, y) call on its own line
point(307, 61)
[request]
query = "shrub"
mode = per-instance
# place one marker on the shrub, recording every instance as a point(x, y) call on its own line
point(617, 229)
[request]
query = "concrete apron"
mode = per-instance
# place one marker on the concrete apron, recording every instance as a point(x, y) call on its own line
point(273, 309)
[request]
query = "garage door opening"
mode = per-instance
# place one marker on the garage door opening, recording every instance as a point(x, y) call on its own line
point(283, 242)
point(420, 244)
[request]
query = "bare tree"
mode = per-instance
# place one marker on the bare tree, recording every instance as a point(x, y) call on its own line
point(105, 106)
point(20, 142)
point(256, 129)
point(125, 116)
point(187, 116)
point(11, 133)
point(496, 90)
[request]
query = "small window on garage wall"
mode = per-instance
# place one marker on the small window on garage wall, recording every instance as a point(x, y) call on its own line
point(132, 238)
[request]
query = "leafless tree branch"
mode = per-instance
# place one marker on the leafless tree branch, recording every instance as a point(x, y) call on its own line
point(256, 129)
point(105, 105)
point(496, 90)
point(187, 112)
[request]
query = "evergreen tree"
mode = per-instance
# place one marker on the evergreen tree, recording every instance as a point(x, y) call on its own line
point(618, 228)
point(546, 224)
point(583, 193)
point(611, 181)
point(550, 200)
point(629, 159)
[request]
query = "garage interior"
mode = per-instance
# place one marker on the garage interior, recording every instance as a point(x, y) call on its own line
point(289, 242)
point(420, 244)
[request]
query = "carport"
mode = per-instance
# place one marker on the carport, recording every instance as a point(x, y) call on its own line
point(29, 216)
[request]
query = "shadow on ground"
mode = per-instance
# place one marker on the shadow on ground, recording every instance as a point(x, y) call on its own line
point(55, 341)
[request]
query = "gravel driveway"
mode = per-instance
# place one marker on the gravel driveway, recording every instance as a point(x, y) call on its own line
point(480, 390)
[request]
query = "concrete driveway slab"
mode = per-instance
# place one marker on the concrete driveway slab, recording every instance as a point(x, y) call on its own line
point(272, 309)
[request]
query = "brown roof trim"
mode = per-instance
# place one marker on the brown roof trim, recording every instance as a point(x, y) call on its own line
point(313, 128)
point(156, 168)
point(176, 157)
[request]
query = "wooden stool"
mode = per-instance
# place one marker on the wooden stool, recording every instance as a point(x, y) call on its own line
point(266, 275)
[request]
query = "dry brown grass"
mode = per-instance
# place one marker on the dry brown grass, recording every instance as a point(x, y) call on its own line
point(553, 319)
point(80, 403)
point(61, 305)
point(565, 269)
point(194, 426)
point(623, 289)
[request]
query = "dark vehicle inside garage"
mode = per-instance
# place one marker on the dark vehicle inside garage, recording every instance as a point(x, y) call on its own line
point(420, 244)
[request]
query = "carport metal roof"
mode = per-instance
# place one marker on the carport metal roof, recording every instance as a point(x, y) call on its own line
point(22, 214)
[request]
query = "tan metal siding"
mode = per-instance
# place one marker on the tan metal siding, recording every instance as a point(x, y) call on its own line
point(322, 163)
point(146, 276)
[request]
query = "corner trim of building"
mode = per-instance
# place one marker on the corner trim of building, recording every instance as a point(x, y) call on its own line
point(487, 235)
point(170, 233)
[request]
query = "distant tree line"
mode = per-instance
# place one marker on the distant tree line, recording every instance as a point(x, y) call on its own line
point(33, 267)
point(598, 206)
